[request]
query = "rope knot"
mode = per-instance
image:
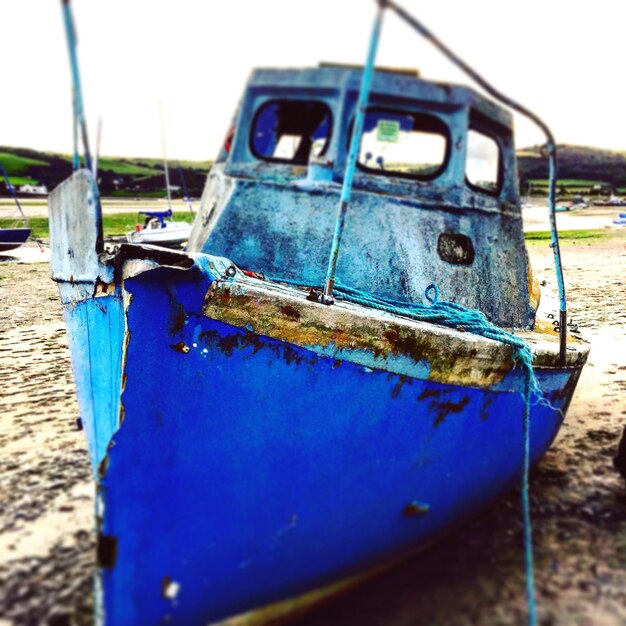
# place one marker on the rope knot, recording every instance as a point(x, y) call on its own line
point(432, 293)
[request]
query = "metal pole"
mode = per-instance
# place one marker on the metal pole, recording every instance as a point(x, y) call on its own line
point(80, 113)
point(186, 197)
point(167, 171)
point(12, 191)
point(550, 150)
point(556, 251)
point(96, 156)
point(78, 94)
point(366, 83)
point(76, 157)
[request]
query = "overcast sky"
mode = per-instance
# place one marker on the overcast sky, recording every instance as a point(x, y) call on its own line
point(562, 58)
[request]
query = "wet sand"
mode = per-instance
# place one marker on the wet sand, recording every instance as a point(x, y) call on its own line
point(473, 577)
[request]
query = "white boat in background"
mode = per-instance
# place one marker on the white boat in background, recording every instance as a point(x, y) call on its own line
point(159, 231)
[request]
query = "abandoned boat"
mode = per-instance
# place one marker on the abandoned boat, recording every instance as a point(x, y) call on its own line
point(253, 437)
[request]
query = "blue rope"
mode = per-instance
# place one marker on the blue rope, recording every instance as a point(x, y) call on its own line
point(456, 316)
point(443, 313)
point(529, 566)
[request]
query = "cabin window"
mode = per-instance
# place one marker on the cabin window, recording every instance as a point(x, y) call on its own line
point(483, 169)
point(400, 143)
point(291, 131)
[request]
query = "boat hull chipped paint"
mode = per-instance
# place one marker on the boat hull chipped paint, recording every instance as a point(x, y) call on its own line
point(270, 469)
point(281, 450)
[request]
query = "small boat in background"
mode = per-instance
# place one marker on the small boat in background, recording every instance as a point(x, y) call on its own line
point(613, 200)
point(13, 237)
point(258, 428)
point(157, 230)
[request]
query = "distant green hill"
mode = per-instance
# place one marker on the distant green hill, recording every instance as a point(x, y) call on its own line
point(141, 177)
point(579, 166)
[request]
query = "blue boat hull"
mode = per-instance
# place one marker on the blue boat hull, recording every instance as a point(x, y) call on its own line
point(248, 469)
point(12, 238)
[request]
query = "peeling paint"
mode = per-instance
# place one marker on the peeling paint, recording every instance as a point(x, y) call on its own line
point(338, 329)
point(416, 508)
point(181, 347)
point(106, 551)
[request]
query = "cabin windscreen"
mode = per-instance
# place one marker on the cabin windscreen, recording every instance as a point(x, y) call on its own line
point(291, 131)
point(405, 144)
point(483, 163)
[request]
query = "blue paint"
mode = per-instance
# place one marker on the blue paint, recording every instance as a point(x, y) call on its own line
point(96, 331)
point(242, 487)
point(159, 215)
point(526, 516)
point(11, 238)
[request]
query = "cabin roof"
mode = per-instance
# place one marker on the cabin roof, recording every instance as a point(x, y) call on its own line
point(385, 83)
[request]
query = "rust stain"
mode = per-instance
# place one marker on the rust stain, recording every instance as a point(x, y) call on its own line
point(430, 393)
point(486, 405)
point(181, 347)
point(534, 292)
point(415, 509)
point(290, 311)
point(294, 320)
point(178, 318)
point(397, 388)
point(228, 344)
point(443, 409)
point(104, 289)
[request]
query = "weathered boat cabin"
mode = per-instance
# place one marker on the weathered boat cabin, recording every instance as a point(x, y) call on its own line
point(435, 195)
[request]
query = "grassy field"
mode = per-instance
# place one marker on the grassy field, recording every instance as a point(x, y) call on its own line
point(114, 225)
point(567, 182)
point(143, 195)
point(127, 168)
point(23, 180)
point(569, 235)
point(121, 223)
point(569, 186)
point(15, 164)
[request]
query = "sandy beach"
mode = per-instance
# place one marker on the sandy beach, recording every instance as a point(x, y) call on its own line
point(473, 577)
